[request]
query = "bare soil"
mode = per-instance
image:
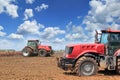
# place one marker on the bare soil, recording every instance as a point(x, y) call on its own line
point(42, 68)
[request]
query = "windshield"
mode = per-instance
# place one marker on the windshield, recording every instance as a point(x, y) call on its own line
point(115, 37)
point(104, 38)
point(68, 50)
point(31, 44)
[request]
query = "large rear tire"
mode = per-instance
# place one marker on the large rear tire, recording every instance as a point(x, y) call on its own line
point(118, 66)
point(42, 53)
point(51, 53)
point(86, 66)
point(27, 52)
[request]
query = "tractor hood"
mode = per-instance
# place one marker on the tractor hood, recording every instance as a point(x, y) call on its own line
point(45, 47)
point(76, 50)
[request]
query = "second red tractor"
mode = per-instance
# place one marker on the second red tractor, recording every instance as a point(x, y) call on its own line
point(35, 48)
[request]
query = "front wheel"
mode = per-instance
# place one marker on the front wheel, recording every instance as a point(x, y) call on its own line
point(86, 66)
point(26, 52)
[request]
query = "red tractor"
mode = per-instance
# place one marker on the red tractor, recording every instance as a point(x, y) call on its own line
point(86, 59)
point(34, 48)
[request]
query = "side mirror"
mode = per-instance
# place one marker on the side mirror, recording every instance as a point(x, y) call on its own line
point(96, 37)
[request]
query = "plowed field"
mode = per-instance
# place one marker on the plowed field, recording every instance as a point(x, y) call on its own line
point(41, 68)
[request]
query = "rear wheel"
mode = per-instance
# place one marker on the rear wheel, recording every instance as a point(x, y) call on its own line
point(27, 52)
point(86, 66)
point(118, 66)
point(51, 53)
point(42, 53)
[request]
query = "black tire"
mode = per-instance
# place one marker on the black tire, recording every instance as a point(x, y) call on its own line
point(27, 52)
point(86, 66)
point(118, 67)
point(118, 71)
point(51, 53)
point(42, 53)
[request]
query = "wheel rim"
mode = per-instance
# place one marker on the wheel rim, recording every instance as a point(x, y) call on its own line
point(25, 53)
point(87, 68)
point(42, 52)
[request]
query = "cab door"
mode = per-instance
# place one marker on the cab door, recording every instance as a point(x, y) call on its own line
point(114, 43)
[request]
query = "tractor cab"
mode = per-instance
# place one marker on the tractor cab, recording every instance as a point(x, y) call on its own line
point(111, 40)
point(33, 44)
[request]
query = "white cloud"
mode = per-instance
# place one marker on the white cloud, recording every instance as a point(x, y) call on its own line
point(28, 13)
point(41, 7)
point(5, 44)
point(115, 26)
point(1, 28)
point(68, 26)
point(8, 7)
point(102, 14)
point(15, 36)
point(75, 32)
point(73, 36)
point(76, 36)
point(9, 44)
point(51, 32)
point(58, 40)
point(78, 29)
point(29, 1)
point(30, 27)
point(2, 33)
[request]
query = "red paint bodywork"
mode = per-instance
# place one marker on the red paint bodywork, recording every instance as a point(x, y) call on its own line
point(111, 31)
point(95, 48)
point(81, 49)
point(45, 47)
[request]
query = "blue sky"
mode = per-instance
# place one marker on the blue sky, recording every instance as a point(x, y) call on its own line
point(55, 22)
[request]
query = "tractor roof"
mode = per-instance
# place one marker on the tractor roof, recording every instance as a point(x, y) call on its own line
point(33, 40)
point(111, 31)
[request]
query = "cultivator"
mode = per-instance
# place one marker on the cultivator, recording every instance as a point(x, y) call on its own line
point(7, 53)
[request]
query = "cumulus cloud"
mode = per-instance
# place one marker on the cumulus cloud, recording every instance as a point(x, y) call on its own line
point(28, 13)
point(29, 1)
point(73, 36)
point(41, 7)
point(51, 32)
point(103, 14)
point(29, 27)
point(77, 29)
point(15, 36)
point(9, 44)
point(5, 44)
point(68, 26)
point(76, 36)
point(1, 28)
point(58, 40)
point(8, 7)
point(1, 32)
point(75, 32)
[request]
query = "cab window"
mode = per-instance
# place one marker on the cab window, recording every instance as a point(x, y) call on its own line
point(104, 38)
